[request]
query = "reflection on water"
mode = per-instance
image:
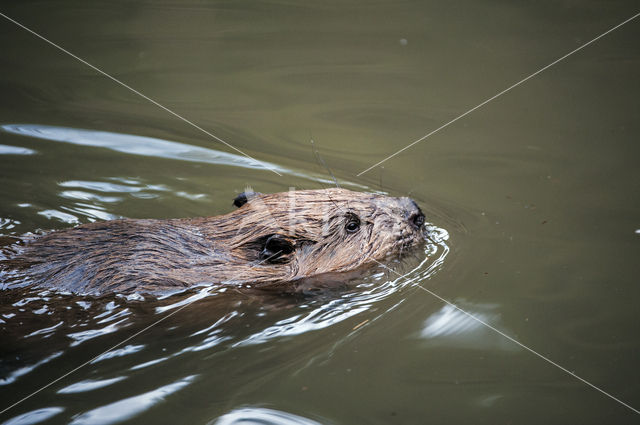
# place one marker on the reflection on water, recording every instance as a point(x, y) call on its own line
point(34, 417)
point(135, 145)
point(89, 385)
point(451, 327)
point(118, 352)
point(128, 408)
point(258, 415)
point(8, 224)
point(15, 150)
point(269, 75)
point(149, 147)
point(14, 375)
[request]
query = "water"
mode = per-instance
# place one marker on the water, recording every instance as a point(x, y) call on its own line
point(534, 198)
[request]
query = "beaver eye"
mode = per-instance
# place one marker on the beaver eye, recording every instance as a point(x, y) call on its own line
point(353, 225)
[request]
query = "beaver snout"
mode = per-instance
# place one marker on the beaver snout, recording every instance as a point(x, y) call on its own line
point(417, 219)
point(412, 212)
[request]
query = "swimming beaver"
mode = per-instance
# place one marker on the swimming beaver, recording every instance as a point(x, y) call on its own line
point(270, 238)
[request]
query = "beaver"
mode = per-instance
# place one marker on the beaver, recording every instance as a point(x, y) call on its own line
point(268, 239)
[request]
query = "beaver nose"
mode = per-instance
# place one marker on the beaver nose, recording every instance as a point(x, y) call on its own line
point(417, 219)
point(414, 214)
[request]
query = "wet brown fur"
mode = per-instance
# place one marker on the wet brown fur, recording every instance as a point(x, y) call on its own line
point(272, 238)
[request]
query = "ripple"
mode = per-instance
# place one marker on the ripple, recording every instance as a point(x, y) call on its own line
point(353, 303)
point(453, 328)
point(89, 385)
point(109, 187)
point(149, 363)
point(262, 416)
point(15, 150)
point(80, 337)
point(120, 352)
point(87, 196)
point(136, 145)
point(202, 293)
point(8, 223)
point(46, 330)
point(59, 215)
point(13, 376)
point(34, 416)
point(154, 147)
point(127, 408)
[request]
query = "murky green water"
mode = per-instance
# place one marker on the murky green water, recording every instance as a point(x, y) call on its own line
point(537, 191)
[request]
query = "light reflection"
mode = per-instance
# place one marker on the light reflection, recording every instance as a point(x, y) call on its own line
point(81, 195)
point(80, 337)
point(207, 343)
point(34, 417)
point(108, 187)
point(89, 385)
point(117, 315)
point(8, 223)
point(59, 215)
point(149, 363)
point(15, 150)
point(203, 293)
point(128, 408)
point(120, 352)
point(153, 147)
point(44, 330)
point(489, 400)
point(13, 376)
point(93, 213)
point(262, 416)
point(316, 319)
point(452, 328)
point(136, 145)
point(216, 324)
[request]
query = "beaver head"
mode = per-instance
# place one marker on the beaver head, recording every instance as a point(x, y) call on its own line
point(303, 233)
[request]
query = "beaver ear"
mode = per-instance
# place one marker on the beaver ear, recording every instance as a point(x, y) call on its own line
point(275, 249)
point(243, 198)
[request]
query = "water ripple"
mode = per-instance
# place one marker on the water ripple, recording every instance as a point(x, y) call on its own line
point(262, 416)
point(353, 303)
point(451, 327)
point(136, 145)
point(15, 150)
point(89, 385)
point(120, 352)
point(34, 416)
point(128, 408)
point(13, 376)
point(154, 147)
point(80, 337)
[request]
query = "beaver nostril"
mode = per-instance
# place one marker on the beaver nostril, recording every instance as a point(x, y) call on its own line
point(417, 219)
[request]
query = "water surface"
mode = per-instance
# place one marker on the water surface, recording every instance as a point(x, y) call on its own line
point(533, 199)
